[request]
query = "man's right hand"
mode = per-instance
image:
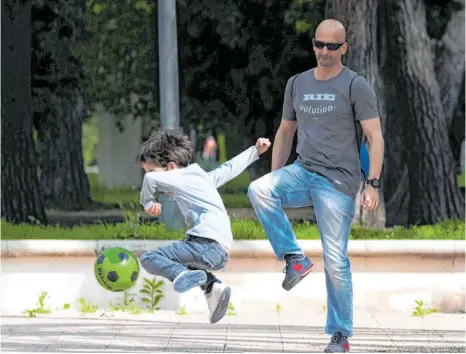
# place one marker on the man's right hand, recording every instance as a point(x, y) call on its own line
point(154, 210)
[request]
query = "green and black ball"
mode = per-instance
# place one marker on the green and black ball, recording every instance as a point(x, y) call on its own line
point(116, 269)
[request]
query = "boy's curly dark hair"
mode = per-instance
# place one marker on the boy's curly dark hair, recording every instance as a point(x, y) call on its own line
point(163, 147)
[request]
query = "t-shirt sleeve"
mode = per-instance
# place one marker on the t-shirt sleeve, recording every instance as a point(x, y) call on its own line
point(364, 99)
point(147, 191)
point(288, 108)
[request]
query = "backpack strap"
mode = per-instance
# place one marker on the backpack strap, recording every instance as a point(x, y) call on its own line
point(292, 85)
point(360, 138)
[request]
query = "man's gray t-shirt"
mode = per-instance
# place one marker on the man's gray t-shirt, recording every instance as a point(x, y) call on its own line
point(327, 143)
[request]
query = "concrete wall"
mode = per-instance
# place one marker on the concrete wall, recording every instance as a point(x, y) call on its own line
point(117, 151)
point(68, 278)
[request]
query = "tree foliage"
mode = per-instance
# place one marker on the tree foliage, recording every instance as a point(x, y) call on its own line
point(119, 57)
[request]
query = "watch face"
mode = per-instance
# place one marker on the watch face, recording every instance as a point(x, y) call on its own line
point(375, 183)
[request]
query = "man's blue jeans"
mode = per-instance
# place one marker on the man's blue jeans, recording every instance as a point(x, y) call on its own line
point(294, 186)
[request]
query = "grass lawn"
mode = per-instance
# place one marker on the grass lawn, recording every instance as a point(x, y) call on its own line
point(242, 230)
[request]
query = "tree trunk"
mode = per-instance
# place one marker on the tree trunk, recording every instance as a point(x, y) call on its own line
point(20, 197)
point(392, 108)
point(450, 62)
point(360, 20)
point(59, 108)
point(63, 182)
point(435, 195)
point(457, 128)
point(450, 75)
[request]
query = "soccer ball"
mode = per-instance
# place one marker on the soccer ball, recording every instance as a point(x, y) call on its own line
point(116, 269)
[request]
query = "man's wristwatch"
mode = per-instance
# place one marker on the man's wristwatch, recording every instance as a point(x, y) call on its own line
point(375, 183)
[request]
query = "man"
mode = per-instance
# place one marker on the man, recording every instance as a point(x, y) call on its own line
point(326, 174)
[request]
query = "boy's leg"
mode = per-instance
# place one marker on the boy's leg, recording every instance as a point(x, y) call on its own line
point(211, 279)
point(218, 300)
point(212, 257)
point(171, 263)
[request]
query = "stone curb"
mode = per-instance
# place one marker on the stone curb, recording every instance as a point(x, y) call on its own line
point(240, 249)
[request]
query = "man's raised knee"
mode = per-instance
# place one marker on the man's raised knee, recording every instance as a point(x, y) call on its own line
point(257, 189)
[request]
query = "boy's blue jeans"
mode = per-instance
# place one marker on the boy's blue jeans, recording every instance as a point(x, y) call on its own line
point(192, 253)
point(294, 186)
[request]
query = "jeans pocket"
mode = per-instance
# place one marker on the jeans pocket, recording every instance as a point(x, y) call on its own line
point(215, 257)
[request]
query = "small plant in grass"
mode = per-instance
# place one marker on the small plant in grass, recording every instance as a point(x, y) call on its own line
point(41, 303)
point(31, 313)
point(33, 220)
point(151, 293)
point(278, 308)
point(128, 304)
point(133, 308)
point(421, 310)
point(86, 307)
point(41, 306)
point(231, 310)
point(182, 311)
point(132, 222)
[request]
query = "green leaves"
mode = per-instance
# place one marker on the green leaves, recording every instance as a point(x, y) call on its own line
point(119, 58)
point(233, 63)
point(305, 15)
point(153, 291)
point(86, 307)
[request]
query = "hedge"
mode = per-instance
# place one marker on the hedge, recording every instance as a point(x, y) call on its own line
point(242, 230)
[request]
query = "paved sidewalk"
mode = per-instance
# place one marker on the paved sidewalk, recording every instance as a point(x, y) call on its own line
point(254, 332)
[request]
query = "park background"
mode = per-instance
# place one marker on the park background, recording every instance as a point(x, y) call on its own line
point(81, 91)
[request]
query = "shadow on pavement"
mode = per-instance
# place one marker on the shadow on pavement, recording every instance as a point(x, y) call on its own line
point(72, 335)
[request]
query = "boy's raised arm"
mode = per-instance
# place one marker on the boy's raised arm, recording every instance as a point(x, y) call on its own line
point(147, 192)
point(234, 167)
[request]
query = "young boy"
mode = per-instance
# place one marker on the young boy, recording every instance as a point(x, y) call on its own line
point(165, 157)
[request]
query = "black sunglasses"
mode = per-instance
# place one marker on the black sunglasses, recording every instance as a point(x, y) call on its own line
point(330, 46)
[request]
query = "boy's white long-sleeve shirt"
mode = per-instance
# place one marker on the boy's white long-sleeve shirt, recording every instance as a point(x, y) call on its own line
point(196, 193)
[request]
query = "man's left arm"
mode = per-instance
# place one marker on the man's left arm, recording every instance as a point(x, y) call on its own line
point(373, 131)
point(367, 114)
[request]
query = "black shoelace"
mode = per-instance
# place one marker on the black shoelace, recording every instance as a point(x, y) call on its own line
point(337, 338)
point(290, 259)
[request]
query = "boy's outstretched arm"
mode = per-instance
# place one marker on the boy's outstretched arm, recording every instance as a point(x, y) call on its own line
point(234, 167)
point(147, 199)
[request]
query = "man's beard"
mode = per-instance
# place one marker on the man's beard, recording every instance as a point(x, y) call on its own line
point(326, 61)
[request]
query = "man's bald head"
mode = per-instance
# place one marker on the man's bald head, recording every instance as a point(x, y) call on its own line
point(331, 29)
point(330, 43)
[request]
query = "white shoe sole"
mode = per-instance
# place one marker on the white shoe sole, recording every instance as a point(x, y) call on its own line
point(222, 306)
point(189, 280)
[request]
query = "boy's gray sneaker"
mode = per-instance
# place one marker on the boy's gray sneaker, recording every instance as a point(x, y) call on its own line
point(218, 300)
point(297, 267)
point(338, 344)
point(189, 279)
